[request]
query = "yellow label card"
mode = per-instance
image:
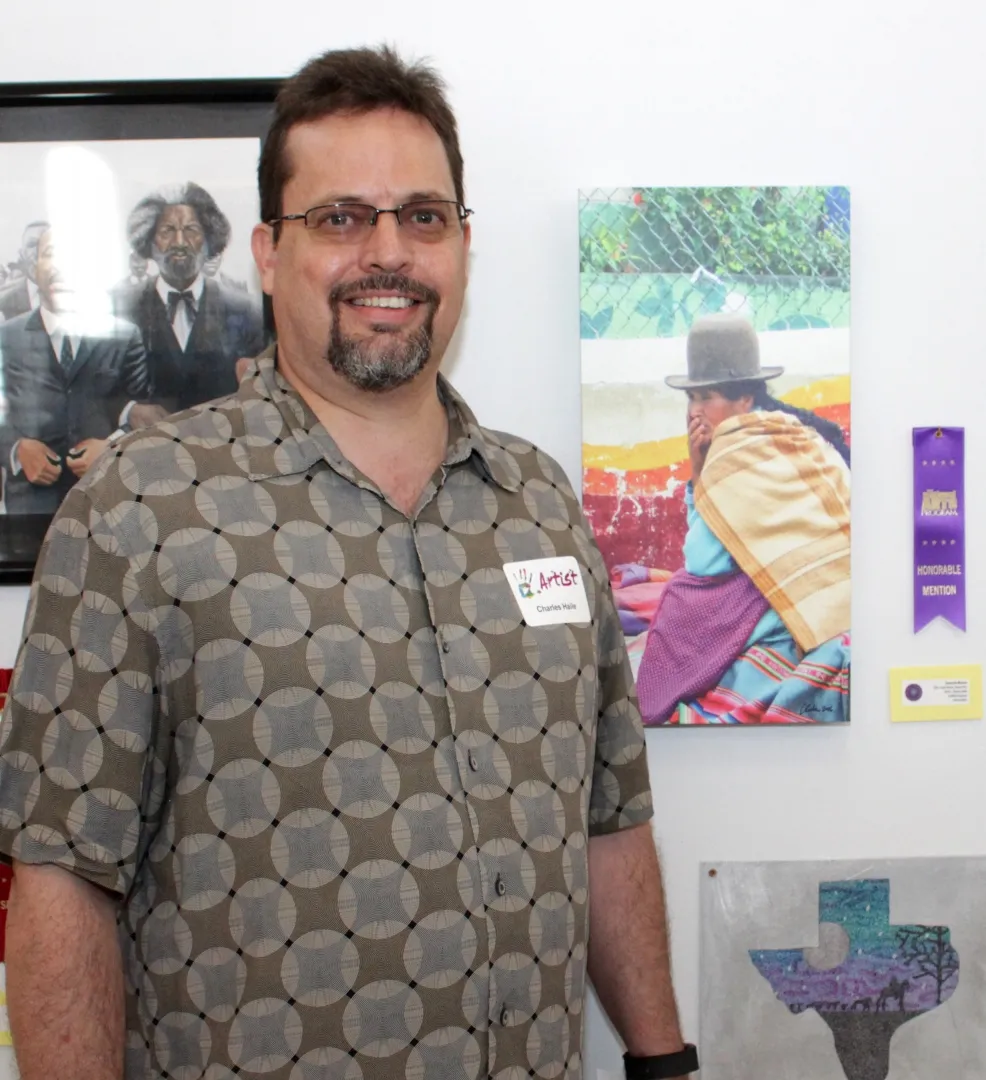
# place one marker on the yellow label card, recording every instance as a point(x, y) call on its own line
point(942, 692)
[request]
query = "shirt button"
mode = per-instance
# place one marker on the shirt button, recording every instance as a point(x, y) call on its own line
point(446, 648)
point(473, 762)
point(500, 886)
point(504, 1016)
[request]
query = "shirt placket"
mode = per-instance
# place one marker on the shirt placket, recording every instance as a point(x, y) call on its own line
point(448, 622)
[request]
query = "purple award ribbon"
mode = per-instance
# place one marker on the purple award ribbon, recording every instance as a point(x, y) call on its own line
point(939, 525)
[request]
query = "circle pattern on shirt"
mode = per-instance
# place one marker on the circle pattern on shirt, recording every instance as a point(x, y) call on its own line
point(388, 775)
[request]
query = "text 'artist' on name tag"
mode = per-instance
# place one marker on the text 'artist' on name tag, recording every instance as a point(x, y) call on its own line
point(549, 590)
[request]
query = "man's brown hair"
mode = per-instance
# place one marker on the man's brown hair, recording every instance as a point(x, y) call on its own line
point(353, 81)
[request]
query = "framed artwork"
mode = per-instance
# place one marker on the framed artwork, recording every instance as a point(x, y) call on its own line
point(716, 444)
point(843, 970)
point(127, 287)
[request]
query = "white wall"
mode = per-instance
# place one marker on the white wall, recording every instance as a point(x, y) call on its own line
point(887, 98)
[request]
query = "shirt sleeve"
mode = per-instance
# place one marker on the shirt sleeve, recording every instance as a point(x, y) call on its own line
point(77, 735)
point(621, 794)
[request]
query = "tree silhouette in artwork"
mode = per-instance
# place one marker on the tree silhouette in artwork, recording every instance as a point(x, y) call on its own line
point(929, 951)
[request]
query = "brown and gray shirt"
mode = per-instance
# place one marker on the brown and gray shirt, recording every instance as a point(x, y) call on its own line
point(343, 790)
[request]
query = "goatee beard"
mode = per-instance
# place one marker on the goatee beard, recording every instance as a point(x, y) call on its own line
point(377, 364)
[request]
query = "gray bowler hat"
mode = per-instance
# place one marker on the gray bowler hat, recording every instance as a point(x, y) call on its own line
point(722, 349)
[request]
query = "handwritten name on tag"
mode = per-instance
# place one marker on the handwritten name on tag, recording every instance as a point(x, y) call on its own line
point(549, 591)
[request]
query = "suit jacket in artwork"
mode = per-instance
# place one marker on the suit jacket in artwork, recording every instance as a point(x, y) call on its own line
point(14, 299)
point(61, 406)
point(228, 325)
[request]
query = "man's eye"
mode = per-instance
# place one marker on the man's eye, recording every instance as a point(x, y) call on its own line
point(429, 217)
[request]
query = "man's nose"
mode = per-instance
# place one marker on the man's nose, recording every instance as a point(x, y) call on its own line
point(387, 247)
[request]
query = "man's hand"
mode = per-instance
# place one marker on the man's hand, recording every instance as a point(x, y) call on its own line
point(699, 439)
point(81, 457)
point(141, 416)
point(40, 464)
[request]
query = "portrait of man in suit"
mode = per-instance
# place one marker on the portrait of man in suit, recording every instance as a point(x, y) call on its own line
point(19, 294)
point(194, 325)
point(69, 383)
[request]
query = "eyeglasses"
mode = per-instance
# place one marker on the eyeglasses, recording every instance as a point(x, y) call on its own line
point(425, 220)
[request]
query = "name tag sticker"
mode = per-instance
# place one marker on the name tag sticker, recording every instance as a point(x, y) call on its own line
point(549, 591)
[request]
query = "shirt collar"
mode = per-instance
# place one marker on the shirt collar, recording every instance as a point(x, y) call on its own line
point(284, 436)
point(56, 324)
point(196, 288)
point(50, 321)
point(467, 437)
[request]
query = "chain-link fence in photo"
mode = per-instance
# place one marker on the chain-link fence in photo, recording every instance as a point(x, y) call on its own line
point(653, 259)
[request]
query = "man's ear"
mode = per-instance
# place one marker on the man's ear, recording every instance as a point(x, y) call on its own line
point(264, 249)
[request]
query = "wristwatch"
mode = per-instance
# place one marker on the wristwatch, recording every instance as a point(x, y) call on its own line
point(662, 1066)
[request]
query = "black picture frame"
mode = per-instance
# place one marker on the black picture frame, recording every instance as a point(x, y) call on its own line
point(131, 110)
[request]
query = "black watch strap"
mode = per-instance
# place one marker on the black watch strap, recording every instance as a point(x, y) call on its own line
point(663, 1066)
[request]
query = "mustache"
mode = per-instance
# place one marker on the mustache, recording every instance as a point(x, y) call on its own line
point(397, 283)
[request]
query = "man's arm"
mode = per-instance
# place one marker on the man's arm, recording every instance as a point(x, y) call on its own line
point(629, 962)
point(64, 977)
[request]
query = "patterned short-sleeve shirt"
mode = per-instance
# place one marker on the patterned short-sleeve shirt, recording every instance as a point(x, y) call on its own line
point(344, 791)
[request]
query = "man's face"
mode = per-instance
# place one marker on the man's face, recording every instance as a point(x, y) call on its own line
point(326, 293)
point(178, 245)
point(55, 292)
point(29, 249)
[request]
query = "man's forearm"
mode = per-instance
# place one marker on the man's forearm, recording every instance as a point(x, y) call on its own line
point(64, 977)
point(629, 962)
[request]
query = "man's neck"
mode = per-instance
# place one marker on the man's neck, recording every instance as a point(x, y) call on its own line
point(397, 438)
point(166, 286)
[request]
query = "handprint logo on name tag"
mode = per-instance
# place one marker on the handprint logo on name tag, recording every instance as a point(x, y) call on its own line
point(525, 584)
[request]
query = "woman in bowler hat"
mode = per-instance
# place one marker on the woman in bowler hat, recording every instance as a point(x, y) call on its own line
point(725, 378)
point(744, 590)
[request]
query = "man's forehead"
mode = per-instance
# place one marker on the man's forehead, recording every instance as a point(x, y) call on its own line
point(349, 153)
point(178, 210)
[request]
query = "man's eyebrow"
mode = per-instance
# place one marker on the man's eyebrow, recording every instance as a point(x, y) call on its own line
point(429, 196)
point(414, 196)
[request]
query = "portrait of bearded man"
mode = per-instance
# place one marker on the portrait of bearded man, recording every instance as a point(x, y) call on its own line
point(193, 324)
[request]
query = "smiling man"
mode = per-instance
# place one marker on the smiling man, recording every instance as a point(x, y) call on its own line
point(285, 713)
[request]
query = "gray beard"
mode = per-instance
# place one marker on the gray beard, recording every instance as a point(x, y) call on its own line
point(366, 366)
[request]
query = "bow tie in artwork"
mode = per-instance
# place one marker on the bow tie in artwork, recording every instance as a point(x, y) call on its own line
point(175, 298)
point(865, 978)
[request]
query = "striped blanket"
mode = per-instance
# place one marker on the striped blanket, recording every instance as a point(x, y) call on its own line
point(774, 684)
point(776, 496)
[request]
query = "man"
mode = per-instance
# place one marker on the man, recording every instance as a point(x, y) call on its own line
point(20, 295)
point(193, 326)
point(333, 774)
point(65, 389)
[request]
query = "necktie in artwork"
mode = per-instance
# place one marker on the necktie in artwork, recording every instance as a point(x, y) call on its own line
point(66, 356)
point(175, 298)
